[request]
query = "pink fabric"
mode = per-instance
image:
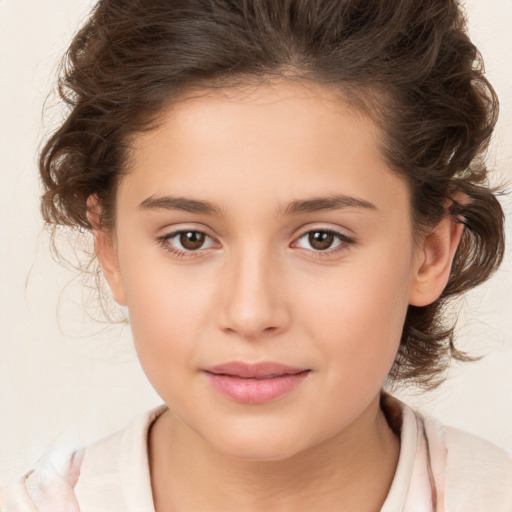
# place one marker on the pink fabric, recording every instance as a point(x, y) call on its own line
point(440, 469)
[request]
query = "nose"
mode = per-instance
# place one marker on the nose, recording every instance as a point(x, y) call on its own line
point(253, 298)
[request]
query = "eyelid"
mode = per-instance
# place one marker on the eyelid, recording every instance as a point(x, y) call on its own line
point(326, 226)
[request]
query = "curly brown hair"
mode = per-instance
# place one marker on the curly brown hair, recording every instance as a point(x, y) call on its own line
point(407, 64)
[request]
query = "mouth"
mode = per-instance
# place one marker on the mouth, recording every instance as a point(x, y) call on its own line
point(265, 370)
point(255, 383)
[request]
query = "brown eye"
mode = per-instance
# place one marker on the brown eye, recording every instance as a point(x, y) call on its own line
point(186, 243)
point(321, 240)
point(324, 242)
point(191, 240)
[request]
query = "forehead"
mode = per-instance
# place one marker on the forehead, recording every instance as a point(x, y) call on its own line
point(280, 140)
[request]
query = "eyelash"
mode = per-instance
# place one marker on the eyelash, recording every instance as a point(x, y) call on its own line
point(345, 243)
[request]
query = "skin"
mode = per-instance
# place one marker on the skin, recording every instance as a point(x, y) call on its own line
point(259, 289)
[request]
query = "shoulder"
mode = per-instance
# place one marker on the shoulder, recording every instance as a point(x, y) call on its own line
point(477, 470)
point(104, 476)
point(475, 474)
point(115, 470)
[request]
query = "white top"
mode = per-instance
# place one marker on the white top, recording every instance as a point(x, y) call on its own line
point(440, 469)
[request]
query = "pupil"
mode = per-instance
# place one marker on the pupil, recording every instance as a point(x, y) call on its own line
point(321, 240)
point(192, 240)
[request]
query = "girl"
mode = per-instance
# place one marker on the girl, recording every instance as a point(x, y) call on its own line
point(284, 195)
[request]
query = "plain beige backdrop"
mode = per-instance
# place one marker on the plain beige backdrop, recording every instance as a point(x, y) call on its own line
point(66, 380)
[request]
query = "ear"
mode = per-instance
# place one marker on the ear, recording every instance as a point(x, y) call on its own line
point(105, 250)
point(434, 262)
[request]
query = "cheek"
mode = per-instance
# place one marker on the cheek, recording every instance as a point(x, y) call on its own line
point(168, 311)
point(357, 315)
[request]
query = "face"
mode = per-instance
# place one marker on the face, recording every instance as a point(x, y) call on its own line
point(265, 253)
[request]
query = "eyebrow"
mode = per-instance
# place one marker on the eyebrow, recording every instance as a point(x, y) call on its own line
point(334, 202)
point(316, 204)
point(180, 203)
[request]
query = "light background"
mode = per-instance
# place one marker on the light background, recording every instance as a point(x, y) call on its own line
point(65, 379)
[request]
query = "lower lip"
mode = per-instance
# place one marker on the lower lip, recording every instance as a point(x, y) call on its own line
point(255, 391)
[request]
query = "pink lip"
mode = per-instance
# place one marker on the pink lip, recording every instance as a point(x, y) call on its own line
point(255, 383)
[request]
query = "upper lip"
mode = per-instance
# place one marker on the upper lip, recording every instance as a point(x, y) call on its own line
point(254, 370)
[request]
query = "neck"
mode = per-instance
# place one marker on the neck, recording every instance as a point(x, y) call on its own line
point(352, 470)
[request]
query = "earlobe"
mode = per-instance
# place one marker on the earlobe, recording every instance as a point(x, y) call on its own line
point(105, 251)
point(435, 261)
